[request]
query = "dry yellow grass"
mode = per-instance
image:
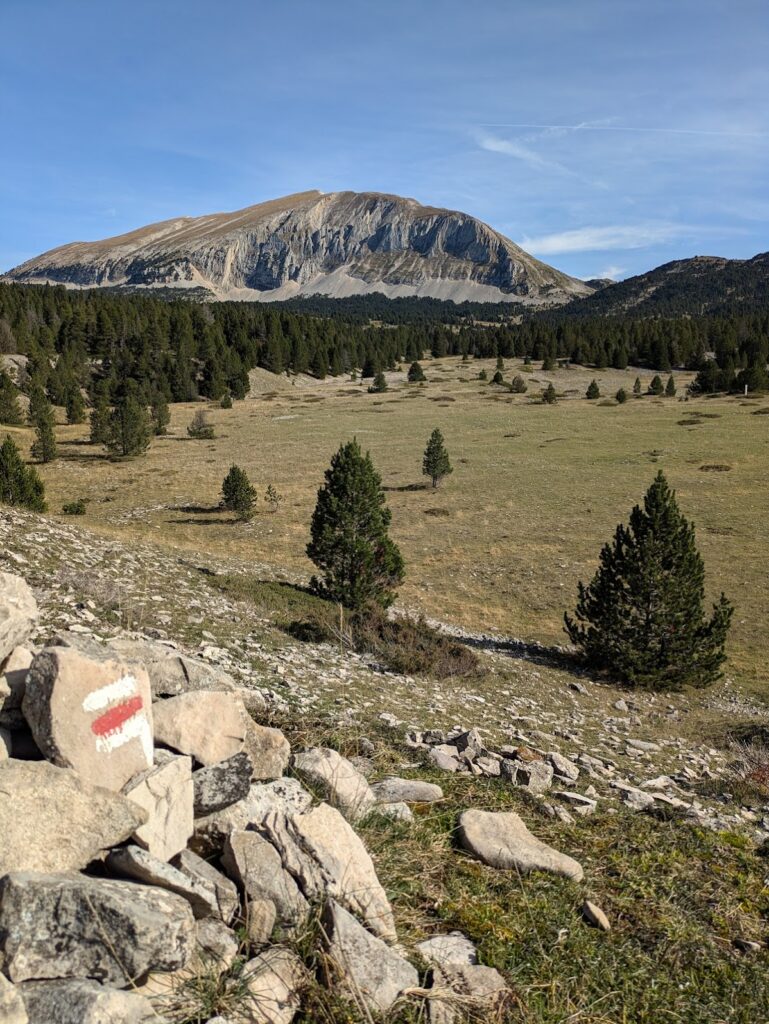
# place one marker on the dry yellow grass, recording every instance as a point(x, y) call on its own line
point(501, 544)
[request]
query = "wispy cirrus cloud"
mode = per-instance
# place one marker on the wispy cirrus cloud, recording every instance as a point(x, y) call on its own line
point(601, 239)
point(521, 151)
point(595, 126)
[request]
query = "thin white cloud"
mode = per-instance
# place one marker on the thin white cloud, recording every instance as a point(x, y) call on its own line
point(601, 239)
point(593, 127)
point(612, 272)
point(520, 152)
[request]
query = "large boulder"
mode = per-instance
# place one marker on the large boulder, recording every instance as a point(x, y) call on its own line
point(286, 794)
point(255, 865)
point(502, 840)
point(71, 926)
point(134, 862)
point(12, 1009)
point(171, 672)
point(222, 784)
point(95, 717)
point(393, 790)
point(328, 859)
point(18, 612)
point(207, 725)
point(205, 875)
point(51, 819)
point(270, 987)
point(364, 967)
point(84, 1002)
point(341, 783)
point(165, 792)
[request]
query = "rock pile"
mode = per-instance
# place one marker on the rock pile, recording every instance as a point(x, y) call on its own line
point(150, 835)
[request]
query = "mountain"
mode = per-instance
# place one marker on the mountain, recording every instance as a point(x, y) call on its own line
point(700, 286)
point(339, 244)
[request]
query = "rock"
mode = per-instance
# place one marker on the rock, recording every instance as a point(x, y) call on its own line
point(393, 790)
point(620, 705)
point(18, 612)
point(71, 926)
point(644, 745)
point(328, 859)
point(634, 799)
point(595, 916)
point(366, 969)
point(563, 766)
point(222, 784)
point(217, 942)
point(446, 762)
point(582, 805)
point(208, 725)
point(469, 742)
point(342, 785)
point(53, 820)
point(95, 717)
point(271, 984)
point(13, 682)
point(460, 991)
point(268, 749)
point(172, 673)
point(397, 812)
point(134, 862)
point(12, 1010)
point(84, 1002)
point(280, 795)
point(256, 866)
point(536, 776)
point(489, 766)
point(166, 794)
point(260, 921)
point(219, 887)
point(502, 840)
point(444, 950)
point(5, 744)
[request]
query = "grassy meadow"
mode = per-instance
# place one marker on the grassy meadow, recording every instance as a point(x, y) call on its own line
point(501, 544)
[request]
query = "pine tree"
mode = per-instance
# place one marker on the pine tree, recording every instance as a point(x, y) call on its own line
point(272, 498)
point(656, 387)
point(379, 385)
point(200, 428)
point(44, 445)
point(349, 543)
point(226, 402)
point(549, 395)
point(100, 419)
point(498, 378)
point(10, 410)
point(593, 391)
point(641, 618)
point(129, 427)
point(19, 484)
point(74, 404)
point(637, 387)
point(238, 495)
point(435, 462)
point(500, 363)
point(416, 374)
point(482, 375)
point(159, 414)
point(670, 387)
point(548, 364)
point(621, 396)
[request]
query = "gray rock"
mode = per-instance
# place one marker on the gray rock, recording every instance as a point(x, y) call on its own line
point(502, 840)
point(396, 812)
point(637, 799)
point(469, 742)
point(341, 783)
point(70, 926)
point(208, 725)
point(222, 784)
point(444, 950)
point(536, 776)
point(260, 921)
point(134, 862)
point(13, 682)
point(489, 766)
point(563, 766)
point(595, 916)
point(53, 820)
point(268, 749)
point(12, 1010)
point(220, 889)
point(165, 792)
point(271, 985)
point(217, 942)
point(583, 805)
point(255, 864)
point(393, 790)
point(286, 794)
point(461, 990)
point(365, 968)
point(84, 1002)
point(643, 745)
point(172, 673)
point(18, 612)
point(446, 762)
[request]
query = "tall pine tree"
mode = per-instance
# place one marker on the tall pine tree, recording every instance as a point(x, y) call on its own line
point(19, 484)
point(435, 461)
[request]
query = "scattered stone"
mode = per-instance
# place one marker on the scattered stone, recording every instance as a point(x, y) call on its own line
point(222, 784)
point(18, 612)
point(271, 985)
point(256, 866)
point(488, 765)
point(268, 749)
point(446, 762)
point(217, 942)
point(342, 785)
point(635, 799)
point(445, 950)
point(134, 862)
point(469, 742)
point(166, 794)
point(260, 921)
point(582, 805)
point(747, 946)
point(204, 875)
point(643, 745)
point(595, 916)
point(53, 820)
point(367, 969)
point(578, 688)
point(460, 989)
point(70, 926)
point(12, 1010)
point(397, 812)
point(95, 717)
point(563, 766)
point(393, 790)
point(536, 776)
point(207, 725)
point(170, 672)
point(620, 705)
point(502, 840)
point(84, 1002)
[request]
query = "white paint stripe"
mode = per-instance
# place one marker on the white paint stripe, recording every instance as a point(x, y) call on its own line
point(136, 727)
point(119, 690)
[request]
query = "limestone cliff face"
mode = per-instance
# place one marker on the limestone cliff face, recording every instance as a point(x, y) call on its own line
point(339, 243)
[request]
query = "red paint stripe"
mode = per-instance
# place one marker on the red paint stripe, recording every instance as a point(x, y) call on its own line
point(111, 720)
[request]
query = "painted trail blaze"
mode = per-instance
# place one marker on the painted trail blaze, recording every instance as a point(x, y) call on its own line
point(116, 716)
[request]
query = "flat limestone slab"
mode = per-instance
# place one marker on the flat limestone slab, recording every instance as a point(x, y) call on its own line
point(502, 840)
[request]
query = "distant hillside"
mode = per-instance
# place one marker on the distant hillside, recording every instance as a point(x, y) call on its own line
point(700, 286)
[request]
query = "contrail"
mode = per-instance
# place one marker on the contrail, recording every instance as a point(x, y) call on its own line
point(624, 128)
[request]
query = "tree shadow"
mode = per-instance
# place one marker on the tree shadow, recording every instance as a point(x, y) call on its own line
point(523, 650)
point(193, 509)
point(402, 488)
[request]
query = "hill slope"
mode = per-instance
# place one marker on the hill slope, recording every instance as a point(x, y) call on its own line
point(340, 243)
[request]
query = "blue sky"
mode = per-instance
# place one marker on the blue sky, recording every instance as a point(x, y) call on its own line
point(605, 137)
